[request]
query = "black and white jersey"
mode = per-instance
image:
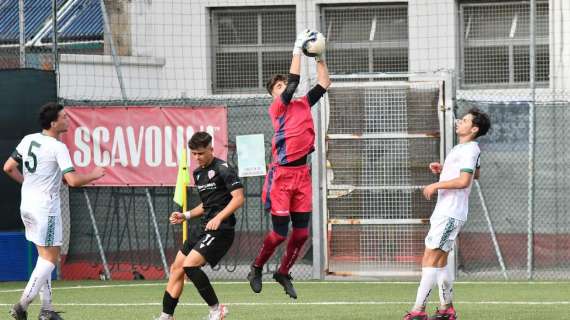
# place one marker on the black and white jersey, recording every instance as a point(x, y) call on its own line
point(215, 184)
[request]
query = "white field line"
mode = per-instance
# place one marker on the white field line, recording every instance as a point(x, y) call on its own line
point(222, 283)
point(317, 303)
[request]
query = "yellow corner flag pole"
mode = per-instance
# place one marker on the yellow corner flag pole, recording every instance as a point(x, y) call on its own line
point(182, 182)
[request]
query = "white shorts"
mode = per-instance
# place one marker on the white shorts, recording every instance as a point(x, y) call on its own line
point(43, 229)
point(443, 232)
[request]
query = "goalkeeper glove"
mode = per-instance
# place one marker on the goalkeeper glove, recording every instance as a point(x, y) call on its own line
point(301, 38)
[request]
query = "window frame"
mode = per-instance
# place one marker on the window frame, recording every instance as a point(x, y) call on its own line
point(259, 47)
point(369, 45)
point(498, 42)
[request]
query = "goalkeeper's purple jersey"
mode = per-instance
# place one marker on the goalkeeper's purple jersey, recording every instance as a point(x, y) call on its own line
point(294, 130)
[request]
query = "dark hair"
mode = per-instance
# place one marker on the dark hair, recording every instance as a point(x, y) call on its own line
point(481, 120)
point(49, 113)
point(271, 82)
point(200, 140)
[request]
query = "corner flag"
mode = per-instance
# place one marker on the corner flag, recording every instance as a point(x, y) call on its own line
point(182, 182)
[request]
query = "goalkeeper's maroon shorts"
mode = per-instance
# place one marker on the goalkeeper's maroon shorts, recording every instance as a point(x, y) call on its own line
point(288, 189)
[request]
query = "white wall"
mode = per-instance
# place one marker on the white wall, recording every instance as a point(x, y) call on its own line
point(433, 36)
point(560, 45)
point(174, 38)
point(94, 77)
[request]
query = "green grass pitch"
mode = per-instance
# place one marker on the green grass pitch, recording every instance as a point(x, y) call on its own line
point(326, 300)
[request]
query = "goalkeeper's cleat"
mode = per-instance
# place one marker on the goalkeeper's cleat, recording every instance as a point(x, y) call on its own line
point(416, 315)
point(285, 281)
point(254, 277)
point(17, 312)
point(49, 315)
point(447, 314)
point(219, 314)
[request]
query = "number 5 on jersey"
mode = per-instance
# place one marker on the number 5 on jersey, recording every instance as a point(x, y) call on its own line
point(31, 154)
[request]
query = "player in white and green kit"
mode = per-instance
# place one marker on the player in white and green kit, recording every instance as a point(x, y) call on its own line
point(45, 163)
point(456, 176)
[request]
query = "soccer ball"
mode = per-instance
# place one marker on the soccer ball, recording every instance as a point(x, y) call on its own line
point(315, 45)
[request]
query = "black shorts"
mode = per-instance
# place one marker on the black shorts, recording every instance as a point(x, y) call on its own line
point(212, 245)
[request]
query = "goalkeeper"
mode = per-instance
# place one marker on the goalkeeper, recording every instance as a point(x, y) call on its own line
point(287, 192)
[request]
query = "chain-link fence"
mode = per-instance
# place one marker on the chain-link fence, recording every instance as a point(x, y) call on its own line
point(220, 52)
point(125, 216)
point(495, 242)
point(516, 225)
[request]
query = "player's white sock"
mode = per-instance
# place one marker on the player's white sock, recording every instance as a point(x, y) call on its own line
point(165, 316)
point(45, 295)
point(215, 307)
point(41, 273)
point(445, 286)
point(429, 278)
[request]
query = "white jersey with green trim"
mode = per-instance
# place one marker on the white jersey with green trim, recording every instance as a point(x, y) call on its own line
point(454, 203)
point(44, 161)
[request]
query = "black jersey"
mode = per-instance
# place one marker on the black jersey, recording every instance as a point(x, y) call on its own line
point(215, 184)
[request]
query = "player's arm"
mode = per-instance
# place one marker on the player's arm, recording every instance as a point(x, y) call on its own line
point(292, 80)
point(11, 169)
point(15, 159)
point(198, 211)
point(295, 69)
point(469, 164)
point(323, 82)
point(74, 179)
point(323, 78)
point(435, 167)
point(461, 182)
point(178, 217)
point(478, 168)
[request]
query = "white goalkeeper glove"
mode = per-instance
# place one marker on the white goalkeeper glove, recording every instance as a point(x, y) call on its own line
point(301, 38)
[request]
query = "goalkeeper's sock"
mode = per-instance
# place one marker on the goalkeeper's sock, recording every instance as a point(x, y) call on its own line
point(445, 286)
point(202, 283)
point(429, 278)
point(168, 303)
point(294, 246)
point(272, 240)
point(45, 295)
point(41, 273)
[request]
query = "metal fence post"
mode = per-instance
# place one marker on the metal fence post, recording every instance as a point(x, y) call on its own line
point(116, 61)
point(160, 247)
point(96, 232)
point(531, 138)
point(22, 34)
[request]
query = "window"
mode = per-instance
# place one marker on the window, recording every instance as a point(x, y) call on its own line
point(363, 39)
point(495, 44)
point(249, 45)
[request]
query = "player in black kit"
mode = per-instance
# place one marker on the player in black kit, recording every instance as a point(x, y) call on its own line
point(221, 193)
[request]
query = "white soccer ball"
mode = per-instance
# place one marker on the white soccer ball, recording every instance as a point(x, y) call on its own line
point(315, 45)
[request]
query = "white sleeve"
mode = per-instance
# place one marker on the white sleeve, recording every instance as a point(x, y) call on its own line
point(469, 161)
point(63, 159)
point(20, 150)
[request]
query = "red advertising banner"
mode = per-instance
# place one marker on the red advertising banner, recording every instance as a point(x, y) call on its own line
point(140, 146)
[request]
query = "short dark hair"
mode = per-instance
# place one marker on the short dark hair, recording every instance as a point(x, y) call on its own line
point(481, 120)
point(200, 140)
point(271, 82)
point(49, 113)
